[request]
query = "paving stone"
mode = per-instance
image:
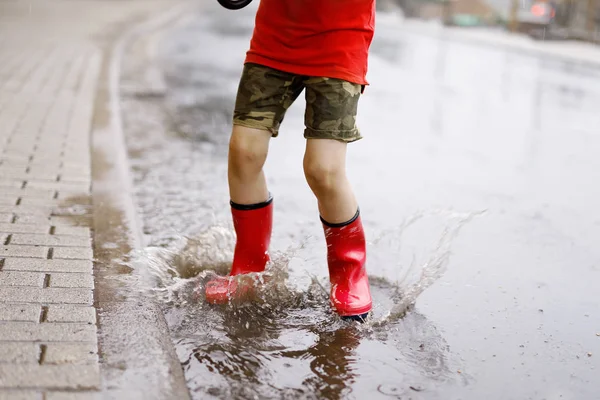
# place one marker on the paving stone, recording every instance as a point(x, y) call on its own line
point(71, 220)
point(62, 353)
point(41, 169)
point(38, 219)
point(72, 231)
point(78, 196)
point(6, 217)
point(20, 395)
point(17, 278)
point(20, 312)
point(14, 160)
point(24, 251)
point(39, 265)
point(14, 176)
point(8, 200)
point(24, 228)
point(71, 313)
point(8, 183)
point(39, 162)
point(9, 169)
point(73, 396)
point(80, 170)
point(50, 240)
point(42, 176)
point(38, 201)
point(73, 253)
point(58, 186)
point(23, 209)
point(46, 295)
point(76, 179)
point(70, 280)
point(47, 332)
point(66, 376)
point(29, 192)
point(19, 352)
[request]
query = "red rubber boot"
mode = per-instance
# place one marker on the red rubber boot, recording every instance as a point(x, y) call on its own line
point(346, 256)
point(253, 224)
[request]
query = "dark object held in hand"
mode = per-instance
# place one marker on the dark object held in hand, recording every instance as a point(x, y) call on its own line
point(234, 4)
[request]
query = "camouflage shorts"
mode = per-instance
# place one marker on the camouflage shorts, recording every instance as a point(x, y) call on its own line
point(265, 94)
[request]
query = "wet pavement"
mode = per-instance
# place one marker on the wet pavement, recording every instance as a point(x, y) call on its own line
point(478, 175)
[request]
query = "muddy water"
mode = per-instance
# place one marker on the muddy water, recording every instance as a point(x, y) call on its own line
point(475, 180)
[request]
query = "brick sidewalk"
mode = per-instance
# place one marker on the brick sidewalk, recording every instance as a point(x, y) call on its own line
point(51, 54)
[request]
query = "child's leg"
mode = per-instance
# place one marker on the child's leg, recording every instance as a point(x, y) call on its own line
point(330, 125)
point(325, 171)
point(248, 149)
point(263, 97)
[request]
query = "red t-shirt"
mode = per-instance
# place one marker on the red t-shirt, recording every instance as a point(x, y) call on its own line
point(314, 37)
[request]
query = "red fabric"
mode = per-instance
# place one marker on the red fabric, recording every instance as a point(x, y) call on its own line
point(314, 37)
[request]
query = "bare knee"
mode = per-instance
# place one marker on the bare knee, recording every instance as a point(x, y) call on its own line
point(247, 151)
point(323, 175)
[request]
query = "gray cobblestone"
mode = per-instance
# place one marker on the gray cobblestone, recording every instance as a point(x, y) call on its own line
point(9, 183)
point(59, 186)
point(14, 160)
point(23, 251)
point(8, 200)
point(73, 396)
point(38, 201)
point(63, 353)
point(32, 219)
point(20, 176)
point(69, 220)
point(42, 176)
point(9, 169)
point(47, 332)
point(73, 231)
point(39, 265)
point(29, 192)
point(24, 228)
point(23, 209)
point(73, 253)
point(71, 280)
point(75, 178)
point(41, 169)
point(81, 170)
point(71, 313)
point(20, 312)
point(39, 161)
point(17, 278)
point(46, 110)
point(46, 295)
point(20, 395)
point(50, 240)
point(18, 352)
point(78, 202)
point(50, 376)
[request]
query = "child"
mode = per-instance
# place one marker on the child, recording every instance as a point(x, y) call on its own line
point(321, 46)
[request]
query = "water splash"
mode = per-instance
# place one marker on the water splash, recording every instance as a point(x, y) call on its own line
point(404, 292)
point(177, 274)
point(263, 348)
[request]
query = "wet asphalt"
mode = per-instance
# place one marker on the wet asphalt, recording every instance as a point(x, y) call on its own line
point(478, 175)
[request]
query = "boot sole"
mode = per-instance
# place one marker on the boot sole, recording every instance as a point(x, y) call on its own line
point(362, 318)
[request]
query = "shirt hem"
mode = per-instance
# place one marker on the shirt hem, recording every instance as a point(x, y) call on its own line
point(335, 73)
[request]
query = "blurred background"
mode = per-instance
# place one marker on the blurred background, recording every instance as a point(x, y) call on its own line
point(546, 19)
